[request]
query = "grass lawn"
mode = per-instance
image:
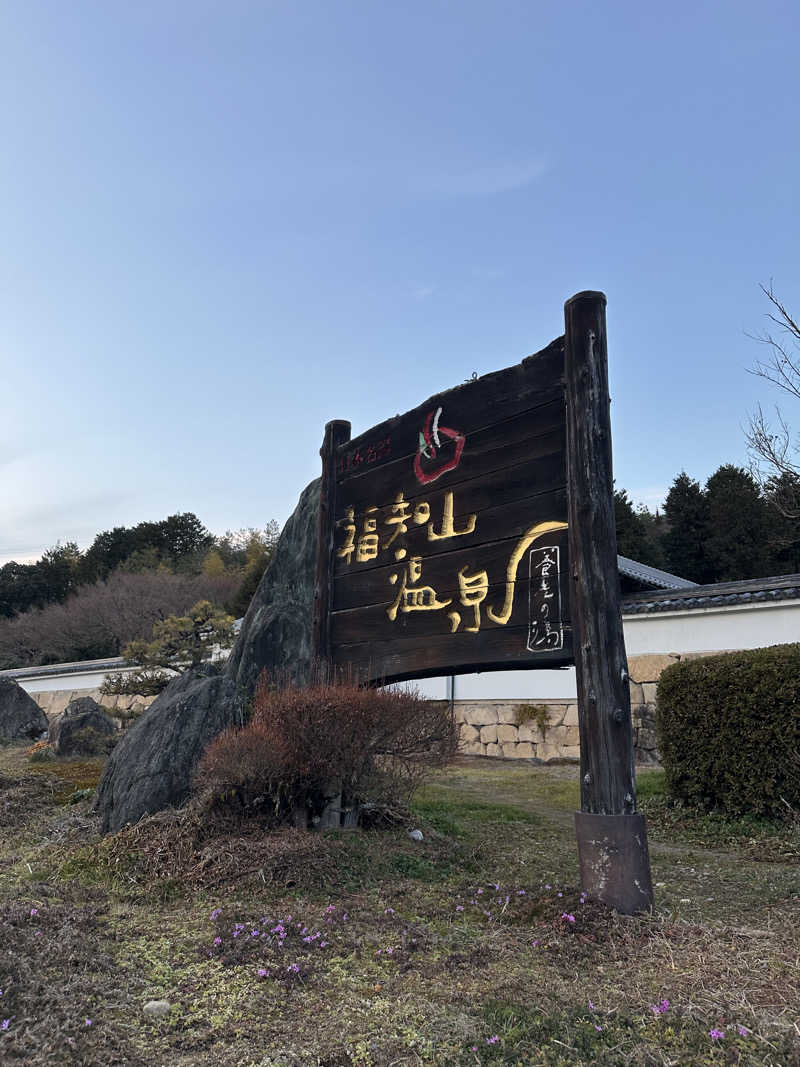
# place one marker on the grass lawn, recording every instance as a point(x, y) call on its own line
point(474, 946)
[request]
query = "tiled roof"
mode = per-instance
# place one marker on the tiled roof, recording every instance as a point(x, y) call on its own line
point(721, 594)
point(651, 575)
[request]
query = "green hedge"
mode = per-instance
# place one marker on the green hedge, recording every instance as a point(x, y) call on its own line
point(728, 730)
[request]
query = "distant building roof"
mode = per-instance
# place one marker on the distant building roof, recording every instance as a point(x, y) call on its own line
point(651, 576)
point(721, 594)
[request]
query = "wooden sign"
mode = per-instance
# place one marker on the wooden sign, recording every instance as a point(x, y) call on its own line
point(476, 533)
point(446, 531)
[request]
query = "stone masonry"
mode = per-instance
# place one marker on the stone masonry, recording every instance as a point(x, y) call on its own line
point(505, 729)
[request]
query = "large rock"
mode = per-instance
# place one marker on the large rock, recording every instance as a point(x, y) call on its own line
point(151, 768)
point(276, 631)
point(83, 728)
point(21, 718)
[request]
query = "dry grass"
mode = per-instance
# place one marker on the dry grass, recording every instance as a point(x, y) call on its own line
point(480, 946)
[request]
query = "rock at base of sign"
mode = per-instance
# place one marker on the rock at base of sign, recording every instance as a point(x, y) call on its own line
point(82, 729)
point(276, 631)
point(157, 1009)
point(21, 718)
point(152, 766)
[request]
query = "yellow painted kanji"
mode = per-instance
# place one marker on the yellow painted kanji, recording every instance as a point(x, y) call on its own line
point(502, 615)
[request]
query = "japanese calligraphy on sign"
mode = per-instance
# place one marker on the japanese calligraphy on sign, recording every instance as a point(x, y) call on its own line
point(448, 527)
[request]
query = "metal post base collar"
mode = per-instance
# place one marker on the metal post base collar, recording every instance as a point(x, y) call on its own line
point(614, 860)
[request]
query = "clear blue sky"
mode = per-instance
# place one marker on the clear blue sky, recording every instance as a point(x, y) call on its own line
point(225, 223)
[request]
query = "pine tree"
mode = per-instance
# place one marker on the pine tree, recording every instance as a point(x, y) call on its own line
point(686, 514)
point(738, 525)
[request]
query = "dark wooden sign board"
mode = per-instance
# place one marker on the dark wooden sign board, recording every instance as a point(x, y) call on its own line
point(476, 533)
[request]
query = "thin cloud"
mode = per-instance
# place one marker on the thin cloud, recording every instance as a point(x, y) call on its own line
point(422, 292)
point(652, 497)
point(486, 181)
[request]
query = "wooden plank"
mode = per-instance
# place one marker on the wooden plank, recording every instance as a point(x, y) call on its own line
point(488, 399)
point(362, 584)
point(491, 449)
point(424, 658)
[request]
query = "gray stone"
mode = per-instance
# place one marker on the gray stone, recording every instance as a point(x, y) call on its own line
point(276, 632)
point(21, 718)
point(82, 729)
point(152, 766)
point(157, 1008)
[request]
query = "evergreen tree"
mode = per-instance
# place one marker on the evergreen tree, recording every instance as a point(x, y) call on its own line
point(738, 526)
point(686, 514)
point(638, 531)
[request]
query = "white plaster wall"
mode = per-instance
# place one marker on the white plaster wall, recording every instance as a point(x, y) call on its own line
point(701, 630)
point(714, 629)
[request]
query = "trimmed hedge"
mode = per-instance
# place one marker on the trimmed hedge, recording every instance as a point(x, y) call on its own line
point(728, 732)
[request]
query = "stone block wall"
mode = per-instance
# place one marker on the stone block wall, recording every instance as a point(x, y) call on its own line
point(498, 728)
point(54, 701)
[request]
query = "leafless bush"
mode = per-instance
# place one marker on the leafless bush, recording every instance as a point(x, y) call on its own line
point(305, 744)
point(100, 619)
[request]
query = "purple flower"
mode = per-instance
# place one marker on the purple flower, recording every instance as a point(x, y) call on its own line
point(660, 1008)
point(4, 1025)
point(34, 911)
point(217, 940)
point(548, 887)
point(716, 1034)
point(492, 1040)
point(215, 914)
point(459, 907)
point(520, 892)
point(254, 933)
point(597, 1027)
point(741, 1031)
point(87, 1022)
point(294, 968)
point(388, 911)
point(591, 1006)
point(322, 944)
point(568, 918)
point(262, 973)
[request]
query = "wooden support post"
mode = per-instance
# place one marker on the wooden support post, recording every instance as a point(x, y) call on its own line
point(336, 433)
point(612, 837)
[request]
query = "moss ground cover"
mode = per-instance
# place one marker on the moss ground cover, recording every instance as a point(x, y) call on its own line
point(474, 946)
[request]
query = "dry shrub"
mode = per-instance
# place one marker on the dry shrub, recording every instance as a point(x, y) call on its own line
point(305, 745)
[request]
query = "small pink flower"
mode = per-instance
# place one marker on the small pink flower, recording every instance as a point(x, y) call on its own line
point(568, 918)
point(741, 1031)
point(459, 907)
point(597, 1027)
point(34, 911)
point(716, 1034)
point(262, 973)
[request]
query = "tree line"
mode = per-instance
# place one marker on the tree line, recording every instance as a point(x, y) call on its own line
point(733, 528)
point(73, 605)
